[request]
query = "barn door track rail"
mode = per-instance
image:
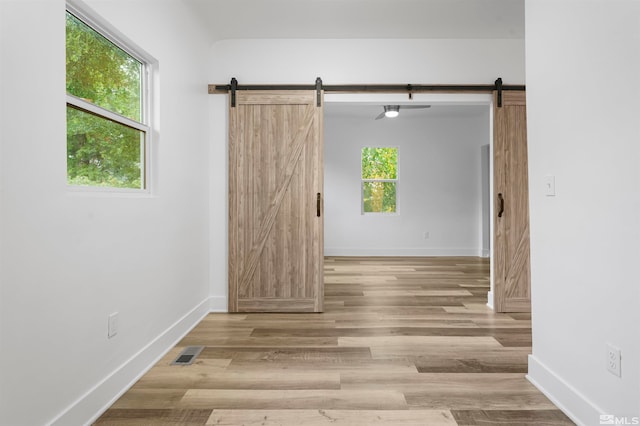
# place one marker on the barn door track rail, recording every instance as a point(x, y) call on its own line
point(410, 89)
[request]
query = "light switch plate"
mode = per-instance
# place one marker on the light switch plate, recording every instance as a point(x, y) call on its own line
point(113, 325)
point(550, 186)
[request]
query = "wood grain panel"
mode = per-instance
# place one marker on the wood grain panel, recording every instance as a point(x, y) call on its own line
point(487, 401)
point(149, 398)
point(277, 304)
point(512, 275)
point(392, 366)
point(331, 417)
point(155, 417)
point(201, 377)
point(482, 361)
point(275, 172)
point(511, 417)
point(229, 342)
point(288, 97)
point(286, 354)
point(300, 399)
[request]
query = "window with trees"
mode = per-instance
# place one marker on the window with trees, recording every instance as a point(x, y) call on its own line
point(379, 180)
point(107, 122)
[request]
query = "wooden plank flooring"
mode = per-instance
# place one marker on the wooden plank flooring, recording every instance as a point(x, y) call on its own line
point(402, 341)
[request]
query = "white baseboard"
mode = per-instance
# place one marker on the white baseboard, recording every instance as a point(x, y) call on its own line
point(568, 399)
point(92, 404)
point(490, 299)
point(218, 304)
point(425, 252)
point(486, 253)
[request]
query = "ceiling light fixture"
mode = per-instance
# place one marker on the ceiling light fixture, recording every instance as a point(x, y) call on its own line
point(391, 111)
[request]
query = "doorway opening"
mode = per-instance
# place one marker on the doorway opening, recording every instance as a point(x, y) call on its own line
point(444, 176)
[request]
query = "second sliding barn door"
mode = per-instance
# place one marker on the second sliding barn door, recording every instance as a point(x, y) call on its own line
point(512, 271)
point(275, 202)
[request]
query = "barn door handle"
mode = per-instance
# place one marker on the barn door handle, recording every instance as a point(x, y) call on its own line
point(501, 205)
point(318, 197)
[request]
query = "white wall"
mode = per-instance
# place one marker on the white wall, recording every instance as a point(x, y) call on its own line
point(439, 183)
point(414, 61)
point(339, 62)
point(70, 260)
point(583, 87)
point(485, 197)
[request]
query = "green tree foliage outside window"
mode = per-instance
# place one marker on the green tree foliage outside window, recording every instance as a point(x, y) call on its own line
point(379, 180)
point(102, 150)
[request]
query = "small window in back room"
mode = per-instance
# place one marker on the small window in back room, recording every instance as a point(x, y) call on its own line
point(107, 122)
point(379, 180)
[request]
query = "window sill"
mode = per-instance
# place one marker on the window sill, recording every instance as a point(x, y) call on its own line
point(99, 191)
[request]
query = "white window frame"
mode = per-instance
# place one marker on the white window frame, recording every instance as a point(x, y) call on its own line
point(147, 77)
point(396, 181)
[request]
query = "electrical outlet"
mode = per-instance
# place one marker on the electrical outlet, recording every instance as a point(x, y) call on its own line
point(613, 360)
point(112, 328)
point(426, 235)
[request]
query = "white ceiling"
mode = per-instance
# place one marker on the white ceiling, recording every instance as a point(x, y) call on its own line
point(352, 19)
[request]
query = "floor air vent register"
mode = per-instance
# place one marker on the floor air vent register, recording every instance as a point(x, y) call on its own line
point(188, 355)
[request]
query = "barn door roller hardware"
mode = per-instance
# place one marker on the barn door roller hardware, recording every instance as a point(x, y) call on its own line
point(410, 89)
point(233, 87)
point(318, 91)
point(499, 89)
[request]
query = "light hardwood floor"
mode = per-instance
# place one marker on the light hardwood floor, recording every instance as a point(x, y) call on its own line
point(402, 341)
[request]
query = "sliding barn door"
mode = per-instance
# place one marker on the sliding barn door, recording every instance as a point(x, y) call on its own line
point(512, 272)
point(275, 202)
